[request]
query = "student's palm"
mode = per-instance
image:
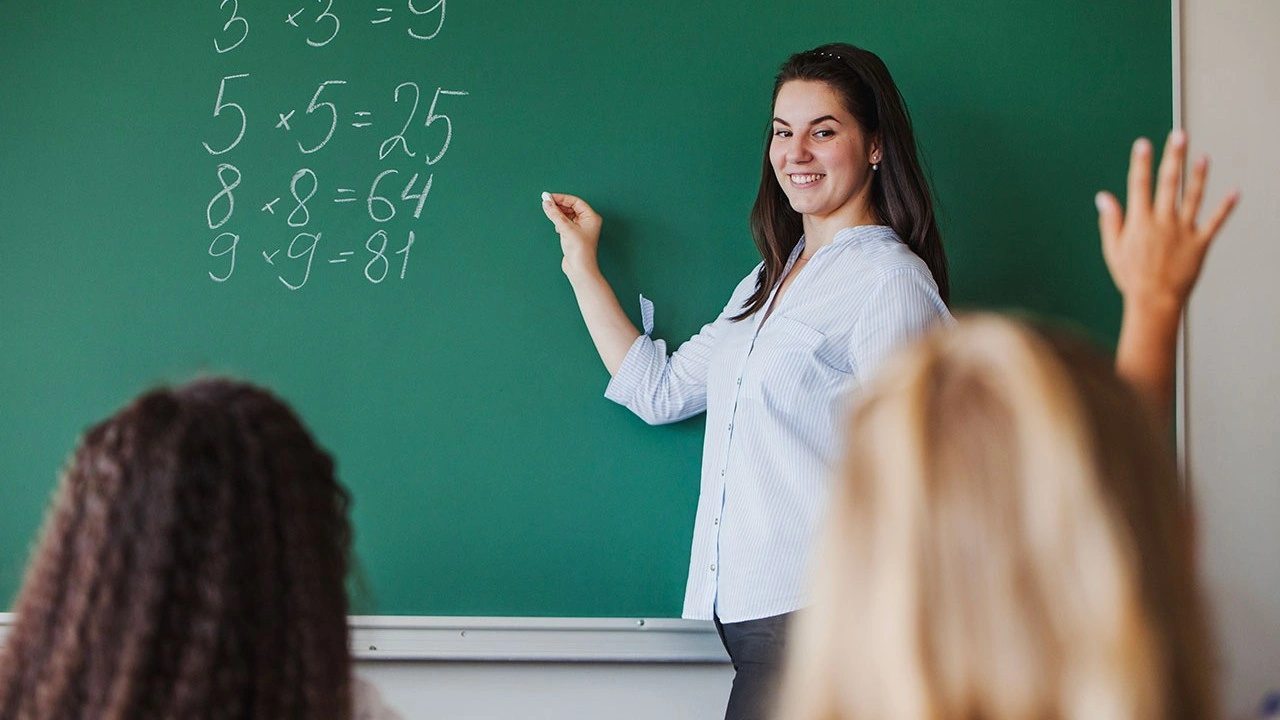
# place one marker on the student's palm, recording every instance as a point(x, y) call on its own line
point(1154, 250)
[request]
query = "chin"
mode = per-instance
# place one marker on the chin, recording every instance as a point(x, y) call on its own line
point(805, 207)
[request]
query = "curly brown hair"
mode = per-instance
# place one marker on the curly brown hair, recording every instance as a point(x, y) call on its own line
point(192, 566)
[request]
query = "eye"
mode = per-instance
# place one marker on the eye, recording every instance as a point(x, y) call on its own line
point(781, 132)
point(824, 133)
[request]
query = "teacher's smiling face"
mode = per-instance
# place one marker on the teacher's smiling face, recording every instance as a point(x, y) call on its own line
point(821, 157)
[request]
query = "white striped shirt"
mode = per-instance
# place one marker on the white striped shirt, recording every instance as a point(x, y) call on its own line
point(775, 402)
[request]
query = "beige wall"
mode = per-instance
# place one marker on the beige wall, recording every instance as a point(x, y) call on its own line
point(1231, 106)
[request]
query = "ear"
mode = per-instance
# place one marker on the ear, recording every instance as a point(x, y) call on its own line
point(873, 151)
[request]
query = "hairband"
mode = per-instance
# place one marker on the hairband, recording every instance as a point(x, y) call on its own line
point(827, 54)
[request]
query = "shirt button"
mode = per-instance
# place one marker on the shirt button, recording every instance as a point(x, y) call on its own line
point(739, 381)
point(717, 521)
point(721, 472)
point(713, 567)
point(730, 427)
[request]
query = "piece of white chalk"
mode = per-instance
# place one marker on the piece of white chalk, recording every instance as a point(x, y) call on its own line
point(546, 196)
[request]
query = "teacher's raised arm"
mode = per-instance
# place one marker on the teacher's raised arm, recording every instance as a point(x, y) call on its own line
point(579, 229)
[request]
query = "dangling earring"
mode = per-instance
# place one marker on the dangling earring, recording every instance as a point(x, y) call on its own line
point(875, 167)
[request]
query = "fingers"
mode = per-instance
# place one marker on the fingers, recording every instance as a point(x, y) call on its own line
point(1139, 198)
point(572, 207)
point(564, 199)
point(1110, 221)
point(555, 214)
point(1220, 215)
point(1175, 150)
point(1194, 192)
point(578, 208)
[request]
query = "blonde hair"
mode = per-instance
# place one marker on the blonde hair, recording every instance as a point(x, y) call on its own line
point(1007, 540)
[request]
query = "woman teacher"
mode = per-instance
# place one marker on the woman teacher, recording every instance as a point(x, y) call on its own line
point(852, 266)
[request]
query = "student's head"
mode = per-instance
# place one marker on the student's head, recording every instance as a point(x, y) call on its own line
point(192, 566)
point(857, 88)
point(1007, 540)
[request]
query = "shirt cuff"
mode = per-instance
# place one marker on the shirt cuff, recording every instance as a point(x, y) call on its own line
point(624, 383)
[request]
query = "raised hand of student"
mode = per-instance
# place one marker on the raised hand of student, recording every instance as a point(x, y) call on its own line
point(1154, 250)
point(579, 229)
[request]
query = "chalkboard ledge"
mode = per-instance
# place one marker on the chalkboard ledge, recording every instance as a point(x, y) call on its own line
point(515, 639)
point(523, 639)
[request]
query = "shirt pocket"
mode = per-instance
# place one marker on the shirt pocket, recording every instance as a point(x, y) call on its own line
point(793, 365)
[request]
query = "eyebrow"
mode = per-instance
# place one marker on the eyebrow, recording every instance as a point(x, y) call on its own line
point(813, 122)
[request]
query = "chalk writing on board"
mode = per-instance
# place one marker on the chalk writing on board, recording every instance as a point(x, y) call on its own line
point(301, 207)
point(309, 123)
point(235, 21)
point(232, 241)
point(322, 27)
point(325, 18)
point(314, 105)
point(219, 105)
point(438, 6)
point(225, 192)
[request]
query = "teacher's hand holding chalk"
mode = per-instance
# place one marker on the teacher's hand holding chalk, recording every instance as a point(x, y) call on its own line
point(579, 229)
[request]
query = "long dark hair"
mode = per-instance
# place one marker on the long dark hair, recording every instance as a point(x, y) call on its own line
point(899, 192)
point(192, 566)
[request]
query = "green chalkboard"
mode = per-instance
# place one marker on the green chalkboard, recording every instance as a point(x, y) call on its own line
point(452, 376)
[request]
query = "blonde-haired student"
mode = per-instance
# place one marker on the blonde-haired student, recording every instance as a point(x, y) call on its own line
point(1009, 537)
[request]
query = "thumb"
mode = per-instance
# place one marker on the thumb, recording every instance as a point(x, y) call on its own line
point(1110, 222)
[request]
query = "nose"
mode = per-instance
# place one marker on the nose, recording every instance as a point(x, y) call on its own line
point(798, 150)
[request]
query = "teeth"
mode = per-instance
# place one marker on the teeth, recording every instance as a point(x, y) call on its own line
point(805, 179)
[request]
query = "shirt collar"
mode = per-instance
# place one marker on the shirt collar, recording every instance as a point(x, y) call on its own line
point(857, 233)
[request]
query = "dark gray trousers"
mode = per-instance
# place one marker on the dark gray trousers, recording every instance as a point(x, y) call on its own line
point(757, 649)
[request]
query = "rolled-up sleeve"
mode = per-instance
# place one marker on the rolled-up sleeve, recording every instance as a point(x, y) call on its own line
point(660, 388)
